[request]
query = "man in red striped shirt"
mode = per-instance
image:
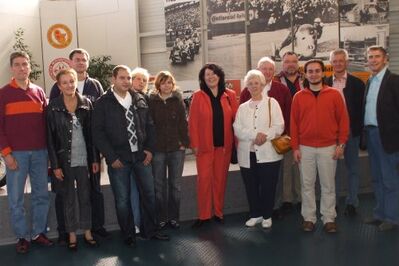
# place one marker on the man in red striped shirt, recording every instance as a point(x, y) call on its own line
point(23, 146)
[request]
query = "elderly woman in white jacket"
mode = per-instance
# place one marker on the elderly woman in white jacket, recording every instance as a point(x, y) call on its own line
point(257, 122)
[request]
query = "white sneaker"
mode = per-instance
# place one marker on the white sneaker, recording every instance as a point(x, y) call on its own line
point(267, 223)
point(137, 229)
point(253, 221)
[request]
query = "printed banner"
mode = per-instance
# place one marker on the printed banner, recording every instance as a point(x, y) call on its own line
point(58, 20)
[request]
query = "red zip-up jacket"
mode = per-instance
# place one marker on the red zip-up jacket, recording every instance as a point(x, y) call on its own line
point(318, 121)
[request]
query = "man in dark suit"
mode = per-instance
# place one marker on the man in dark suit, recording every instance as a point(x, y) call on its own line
point(381, 120)
point(352, 88)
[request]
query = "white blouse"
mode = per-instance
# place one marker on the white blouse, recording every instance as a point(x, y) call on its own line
point(252, 119)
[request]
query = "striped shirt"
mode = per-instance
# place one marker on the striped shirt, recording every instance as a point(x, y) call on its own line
point(22, 118)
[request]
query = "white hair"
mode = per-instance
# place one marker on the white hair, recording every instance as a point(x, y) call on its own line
point(141, 71)
point(265, 59)
point(339, 51)
point(254, 74)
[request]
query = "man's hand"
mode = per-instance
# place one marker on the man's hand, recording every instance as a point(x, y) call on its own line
point(195, 151)
point(11, 162)
point(117, 164)
point(339, 152)
point(58, 174)
point(297, 156)
point(95, 168)
point(148, 157)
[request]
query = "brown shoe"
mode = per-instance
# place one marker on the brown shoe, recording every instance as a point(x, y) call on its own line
point(308, 226)
point(22, 246)
point(330, 227)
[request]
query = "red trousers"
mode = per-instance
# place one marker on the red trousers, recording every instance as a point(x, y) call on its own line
point(212, 170)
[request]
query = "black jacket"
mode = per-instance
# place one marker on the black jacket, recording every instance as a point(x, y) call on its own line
point(170, 122)
point(109, 127)
point(354, 94)
point(59, 131)
point(92, 89)
point(388, 111)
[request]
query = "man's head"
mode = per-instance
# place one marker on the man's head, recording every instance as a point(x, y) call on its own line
point(314, 72)
point(79, 60)
point(121, 78)
point(20, 66)
point(339, 59)
point(290, 63)
point(377, 58)
point(140, 77)
point(267, 66)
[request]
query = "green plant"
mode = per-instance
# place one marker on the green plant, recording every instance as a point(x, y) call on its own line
point(20, 46)
point(101, 69)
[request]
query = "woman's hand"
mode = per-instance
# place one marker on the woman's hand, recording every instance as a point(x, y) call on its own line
point(58, 174)
point(260, 139)
point(117, 164)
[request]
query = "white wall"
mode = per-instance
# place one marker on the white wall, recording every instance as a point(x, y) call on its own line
point(16, 14)
point(105, 27)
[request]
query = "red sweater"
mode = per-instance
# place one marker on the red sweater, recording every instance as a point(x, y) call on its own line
point(200, 121)
point(282, 94)
point(22, 118)
point(318, 121)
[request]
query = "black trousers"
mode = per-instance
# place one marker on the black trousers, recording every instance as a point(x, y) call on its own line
point(97, 203)
point(260, 182)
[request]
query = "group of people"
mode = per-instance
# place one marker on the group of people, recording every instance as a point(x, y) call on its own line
point(143, 137)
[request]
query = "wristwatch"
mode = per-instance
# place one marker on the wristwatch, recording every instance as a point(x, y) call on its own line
point(342, 146)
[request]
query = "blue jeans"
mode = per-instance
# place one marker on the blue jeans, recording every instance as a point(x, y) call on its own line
point(168, 170)
point(35, 164)
point(351, 160)
point(385, 178)
point(135, 201)
point(120, 180)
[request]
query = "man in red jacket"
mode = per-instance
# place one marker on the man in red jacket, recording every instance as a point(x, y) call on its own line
point(319, 131)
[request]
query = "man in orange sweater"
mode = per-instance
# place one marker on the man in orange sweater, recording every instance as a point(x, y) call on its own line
point(319, 130)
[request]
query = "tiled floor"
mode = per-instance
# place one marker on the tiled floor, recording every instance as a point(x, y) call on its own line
point(233, 244)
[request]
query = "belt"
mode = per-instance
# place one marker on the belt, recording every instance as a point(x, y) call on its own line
point(370, 126)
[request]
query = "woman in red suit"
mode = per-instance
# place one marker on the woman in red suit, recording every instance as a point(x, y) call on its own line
point(212, 114)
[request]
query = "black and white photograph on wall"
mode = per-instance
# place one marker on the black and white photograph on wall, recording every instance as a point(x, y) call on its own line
point(226, 36)
point(183, 40)
point(363, 23)
point(307, 27)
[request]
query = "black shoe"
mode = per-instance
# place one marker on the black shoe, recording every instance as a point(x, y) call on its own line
point(130, 241)
point(218, 219)
point(350, 210)
point(198, 223)
point(372, 221)
point(101, 232)
point(160, 236)
point(162, 225)
point(63, 239)
point(299, 206)
point(277, 214)
point(91, 242)
point(173, 224)
point(286, 207)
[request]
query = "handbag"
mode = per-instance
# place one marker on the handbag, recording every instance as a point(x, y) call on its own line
point(281, 144)
point(233, 159)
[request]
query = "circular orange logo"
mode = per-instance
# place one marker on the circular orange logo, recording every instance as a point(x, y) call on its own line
point(59, 36)
point(56, 65)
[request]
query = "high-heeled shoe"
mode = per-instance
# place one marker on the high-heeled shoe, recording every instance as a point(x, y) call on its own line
point(91, 242)
point(73, 246)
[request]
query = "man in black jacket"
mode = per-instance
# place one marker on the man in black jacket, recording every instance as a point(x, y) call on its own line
point(381, 120)
point(92, 89)
point(352, 88)
point(124, 133)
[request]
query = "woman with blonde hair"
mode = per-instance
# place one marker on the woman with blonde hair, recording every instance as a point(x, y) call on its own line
point(167, 110)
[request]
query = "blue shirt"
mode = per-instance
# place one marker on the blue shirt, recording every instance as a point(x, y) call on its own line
point(370, 116)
